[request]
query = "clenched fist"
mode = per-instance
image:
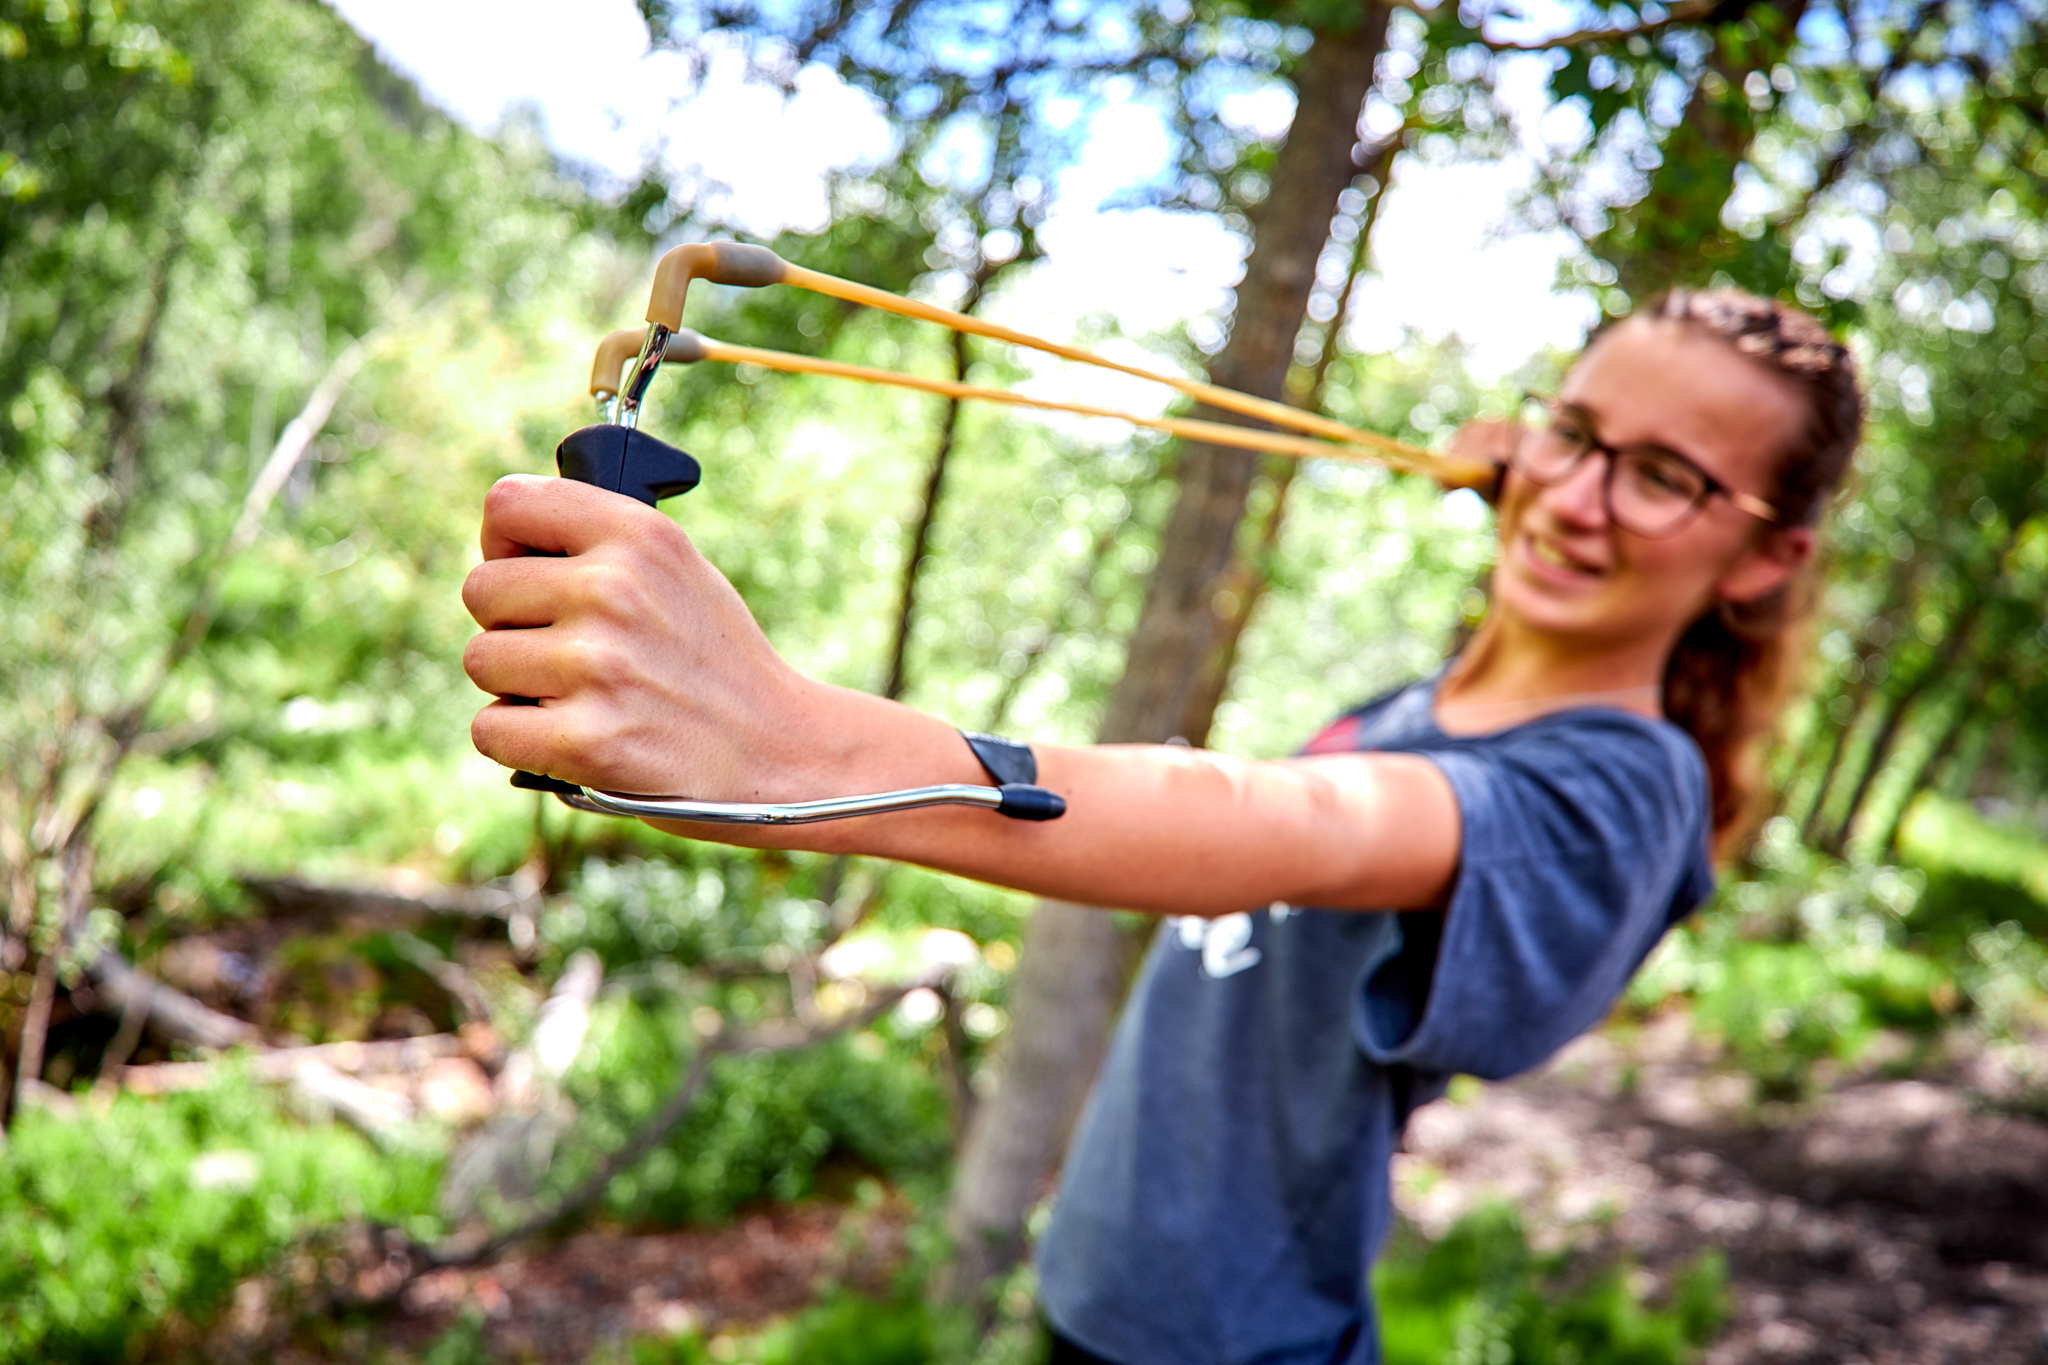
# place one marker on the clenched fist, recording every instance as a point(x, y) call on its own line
point(621, 659)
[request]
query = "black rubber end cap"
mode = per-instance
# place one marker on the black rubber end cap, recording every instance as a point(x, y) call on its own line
point(535, 782)
point(626, 461)
point(1021, 802)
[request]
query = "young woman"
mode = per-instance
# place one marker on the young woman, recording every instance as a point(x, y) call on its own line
point(1459, 877)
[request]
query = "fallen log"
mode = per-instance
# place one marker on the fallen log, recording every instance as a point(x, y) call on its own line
point(378, 1114)
point(171, 1014)
point(473, 1243)
point(297, 898)
point(284, 1063)
point(507, 1157)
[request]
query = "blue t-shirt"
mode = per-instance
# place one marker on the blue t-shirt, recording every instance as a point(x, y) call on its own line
point(1227, 1188)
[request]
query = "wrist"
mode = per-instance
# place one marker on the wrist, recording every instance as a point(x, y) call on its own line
point(862, 743)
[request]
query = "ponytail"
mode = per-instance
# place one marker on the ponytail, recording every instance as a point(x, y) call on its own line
point(1734, 668)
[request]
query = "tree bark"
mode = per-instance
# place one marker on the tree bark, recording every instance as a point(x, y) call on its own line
point(921, 534)
point(935, 485)
point(1886, 845)
point(1249, 577)
point(1838, 746)
point(1962, 631)
point(1962, 634)
point(1071, 975)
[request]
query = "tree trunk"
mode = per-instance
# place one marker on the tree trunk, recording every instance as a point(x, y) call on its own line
point(1237, 599)
point(1071, 976)
point(935, 484)
point(1810, 821)
point(921, 534)
point(1962, 632)
point(1886, 845)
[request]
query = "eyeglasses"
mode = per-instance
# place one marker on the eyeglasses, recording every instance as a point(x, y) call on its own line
point(1648, 489)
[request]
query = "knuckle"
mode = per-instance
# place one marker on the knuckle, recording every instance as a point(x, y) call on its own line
point(601, 664)
point(614, 589)
point(473, 652)
point(571, 746)
point(501, 497)
point(483, 733)
point(476, 592)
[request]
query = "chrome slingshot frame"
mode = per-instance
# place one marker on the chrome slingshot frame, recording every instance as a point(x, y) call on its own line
point(1018, 800)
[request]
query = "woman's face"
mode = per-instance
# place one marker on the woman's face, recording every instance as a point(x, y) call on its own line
point(1567, 570)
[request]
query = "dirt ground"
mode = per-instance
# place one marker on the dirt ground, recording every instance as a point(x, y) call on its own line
point(1888, 1222)
point(561, 1302)
point(1884, 1222)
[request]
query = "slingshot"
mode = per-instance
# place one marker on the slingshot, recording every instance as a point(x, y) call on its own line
point(750, 266)
point(615, 454)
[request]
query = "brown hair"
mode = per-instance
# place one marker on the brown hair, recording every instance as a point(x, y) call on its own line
point(1732, 669)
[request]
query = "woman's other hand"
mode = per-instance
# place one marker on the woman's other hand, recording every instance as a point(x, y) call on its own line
point(1484, 440)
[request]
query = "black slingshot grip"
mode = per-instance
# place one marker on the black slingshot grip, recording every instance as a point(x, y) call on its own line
point(624, 460)
point(627, 460)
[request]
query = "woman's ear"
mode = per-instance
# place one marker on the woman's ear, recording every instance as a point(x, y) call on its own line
point(1768, 564)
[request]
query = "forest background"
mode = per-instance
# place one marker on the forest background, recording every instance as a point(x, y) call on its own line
point(302, 1003)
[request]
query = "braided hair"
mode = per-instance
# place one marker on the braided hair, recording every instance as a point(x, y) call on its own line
point(1732, 669)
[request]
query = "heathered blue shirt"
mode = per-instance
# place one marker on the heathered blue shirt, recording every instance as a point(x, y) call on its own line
point(1227, 1188)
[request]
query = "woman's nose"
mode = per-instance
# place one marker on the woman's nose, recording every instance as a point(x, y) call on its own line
point(1580, 497)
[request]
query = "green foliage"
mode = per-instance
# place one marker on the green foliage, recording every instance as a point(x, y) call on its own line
point(111, 1224)
point(1780, 1008)
point(768, 1127)
point(1800, 965)
point(1957, 905)
point(703, 904)
point(1363, 557)
point(200, 205)
point(205, 205)
point(842, 1329)
point(1479, 1295)
point(462, 1344)
point(849, 1330)
point(1807, 959)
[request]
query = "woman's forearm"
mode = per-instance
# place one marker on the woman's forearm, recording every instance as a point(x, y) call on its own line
point(622, 660)
point(1148, 827)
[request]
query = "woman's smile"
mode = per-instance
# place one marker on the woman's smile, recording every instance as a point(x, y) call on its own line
point(1550, 562)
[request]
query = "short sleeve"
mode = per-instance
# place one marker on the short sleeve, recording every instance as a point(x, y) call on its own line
point(1583, 840)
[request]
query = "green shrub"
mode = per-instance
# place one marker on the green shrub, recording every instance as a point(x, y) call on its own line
point(1480, 1295)
point(1958, 903)
point(462, 1344)
point(109, 1225)
point(843, 1329)
point(847, 1329)
point(1780, 1008)
point(701, 904)
point(1808, 959)
point(763, 1127)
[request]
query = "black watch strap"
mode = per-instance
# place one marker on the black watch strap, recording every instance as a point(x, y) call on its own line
point(1007, 761)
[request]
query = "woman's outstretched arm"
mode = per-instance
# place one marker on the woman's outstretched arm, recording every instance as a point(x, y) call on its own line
point(652, 676)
